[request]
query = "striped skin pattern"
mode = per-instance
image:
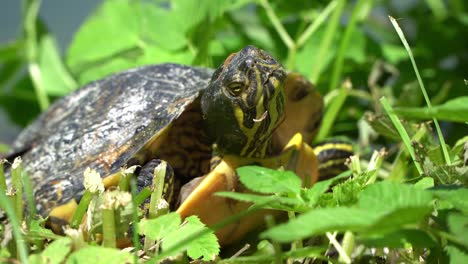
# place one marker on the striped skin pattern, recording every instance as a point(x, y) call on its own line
point(242, 115)
point(332, 155)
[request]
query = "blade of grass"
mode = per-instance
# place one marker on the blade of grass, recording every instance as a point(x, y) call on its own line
point(326, 41)
point(29, 193)
point(81, 209)
point(93, 186)
point(423, 89)
point(308, 32)
point(348, 244)
point(332, 112)
point(16, 228)
point(316, 24)
point(399, 166)
point(155, 208)
point(135, 236)
point(343, 255)
point(159, 176)
point(288, 41)
point(108, 228)
point(291, 216)
point(338, 66)
point(401, 130)
point(17, 184)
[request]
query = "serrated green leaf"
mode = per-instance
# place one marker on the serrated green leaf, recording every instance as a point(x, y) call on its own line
point(320, 221)
point(425, 183)
point(205, 246)
point(453, 110)
point(104, 69)
point(8, 72)
point(98, 254)
point(388, 196)
point(159, 227)
point(56, 80)
point(270, 202)
point(383, 207)
point(115, 27)
point(57, 251)
point(456, 255)
point(36, 231)
point(192, 12)
point(313, 194)
point(397, 204)
point(458, 224)
point(263, 180)
point(383, 126)
point(170, 33)
point(397, 218)
point(12, 51)
point(22, 95)
point(153, 54)
point(435, 153)
point(456, 197)
point(399, 239)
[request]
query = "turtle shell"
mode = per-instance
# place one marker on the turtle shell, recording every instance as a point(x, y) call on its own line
point(102, 126)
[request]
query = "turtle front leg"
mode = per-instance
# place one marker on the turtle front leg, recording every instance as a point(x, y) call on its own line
point(146, 175)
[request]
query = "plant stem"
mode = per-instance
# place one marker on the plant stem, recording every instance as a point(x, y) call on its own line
point(155, 209)
point(316, 24)
point(332, 112)
point(337, 69)
point(81, 209)
point(288, 41)
point(348, 245)
point(158, 187)
point(290, 61)
point(135, 236)
point(326, 41)
point(298, 243)
point(270, 222)
point(142, 195)
point(108, 228)
point(403, 134)
point(7, 206)
point(30, 12)
point(29, 193)
point(423, 89)
point(17, 183)
point(343, 255)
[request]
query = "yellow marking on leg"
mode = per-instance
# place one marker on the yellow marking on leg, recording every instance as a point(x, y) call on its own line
point(329, 146)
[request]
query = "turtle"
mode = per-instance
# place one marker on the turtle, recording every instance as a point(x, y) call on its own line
point(202, 122)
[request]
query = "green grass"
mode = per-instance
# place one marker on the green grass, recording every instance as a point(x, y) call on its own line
point(407, 187)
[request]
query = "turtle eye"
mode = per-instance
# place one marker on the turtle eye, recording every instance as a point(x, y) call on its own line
point(235, 88)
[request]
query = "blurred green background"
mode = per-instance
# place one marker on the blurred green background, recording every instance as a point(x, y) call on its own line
point(50, 48)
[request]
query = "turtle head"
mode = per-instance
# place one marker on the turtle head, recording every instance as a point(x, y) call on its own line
point(244, 102)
